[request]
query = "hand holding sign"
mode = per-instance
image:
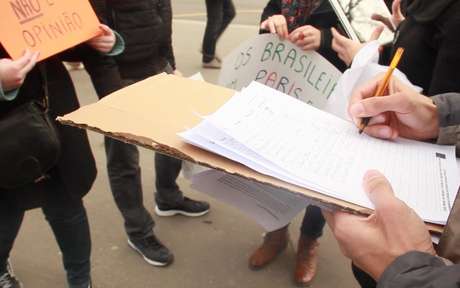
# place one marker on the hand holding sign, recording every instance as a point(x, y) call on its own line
point(396, 17)
point(104, 42)
point(276, 24)
point(13, 72)
point(347, 48)
point(306, 37)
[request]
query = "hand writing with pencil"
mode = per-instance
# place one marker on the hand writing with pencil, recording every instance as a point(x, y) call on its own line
point(402, 111)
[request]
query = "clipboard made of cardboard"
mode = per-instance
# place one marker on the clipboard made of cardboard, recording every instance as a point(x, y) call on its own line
point(151, 112)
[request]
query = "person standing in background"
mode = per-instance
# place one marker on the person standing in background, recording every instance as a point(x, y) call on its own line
point(60, 190)
point(146, 27)
point(219, 15)
point(305, 23)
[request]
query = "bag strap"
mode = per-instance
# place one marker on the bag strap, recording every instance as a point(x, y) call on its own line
point(44, 75)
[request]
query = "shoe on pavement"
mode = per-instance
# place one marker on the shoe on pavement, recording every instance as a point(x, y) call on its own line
point(152, 250)
point(213, 64)
point(216, 56)
point(306, 262)
point(188, 207)
point(274, 243)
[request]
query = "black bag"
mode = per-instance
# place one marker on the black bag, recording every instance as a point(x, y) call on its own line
point(29, 144)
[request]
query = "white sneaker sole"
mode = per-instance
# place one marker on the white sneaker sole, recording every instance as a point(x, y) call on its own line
point(151, 262)
point(176, 212)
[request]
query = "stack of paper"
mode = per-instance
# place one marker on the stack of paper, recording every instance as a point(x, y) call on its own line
point(282, 137)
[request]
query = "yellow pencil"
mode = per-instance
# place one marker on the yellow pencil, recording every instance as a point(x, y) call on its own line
point(383, 85)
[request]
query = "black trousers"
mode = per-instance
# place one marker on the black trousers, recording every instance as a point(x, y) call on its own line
point(126, 185)
point(219, 15)
point(125, 182)
point(313, 223)
point(68, 220)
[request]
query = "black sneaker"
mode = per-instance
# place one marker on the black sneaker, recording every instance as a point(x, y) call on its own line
point(188, 207)
point(7, 280)
point(152, 250)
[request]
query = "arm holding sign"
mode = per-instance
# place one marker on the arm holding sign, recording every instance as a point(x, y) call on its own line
point(307, 37)
point(396, 16)
point(13, 73)
point(104, 42)
point(307, 28)
point(347, 48)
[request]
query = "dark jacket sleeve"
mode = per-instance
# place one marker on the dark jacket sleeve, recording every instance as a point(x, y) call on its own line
point(103, 72)
point(100, 8)
point(420, 270)
point(445, 75)
point(166, 47)
point(449, 119)
point(273, 8)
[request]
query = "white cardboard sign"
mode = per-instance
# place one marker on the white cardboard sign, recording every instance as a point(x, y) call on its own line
point(279, 64)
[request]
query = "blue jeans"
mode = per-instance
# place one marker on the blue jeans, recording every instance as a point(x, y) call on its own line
point(70, 226)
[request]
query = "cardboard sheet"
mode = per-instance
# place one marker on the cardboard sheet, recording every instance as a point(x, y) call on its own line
point(150, 113)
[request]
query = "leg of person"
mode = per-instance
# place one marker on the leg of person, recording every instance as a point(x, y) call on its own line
point(229, 14)
point(274, 243)
point(10, 222)
point(125, 182)
point(307, 249)
point(213, 26)
point(169, 198)
point(365, 280)
point(68, 220)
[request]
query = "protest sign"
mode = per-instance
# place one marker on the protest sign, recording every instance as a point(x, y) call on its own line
point(47, 26)
point(305, 75)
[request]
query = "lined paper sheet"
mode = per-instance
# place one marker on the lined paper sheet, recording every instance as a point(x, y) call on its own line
point(285, 138)
point(273, 208)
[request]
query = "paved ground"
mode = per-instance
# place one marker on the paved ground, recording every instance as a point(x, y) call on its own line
point(211, 251)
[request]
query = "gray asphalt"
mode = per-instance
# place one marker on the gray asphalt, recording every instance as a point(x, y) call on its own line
point(210, 251)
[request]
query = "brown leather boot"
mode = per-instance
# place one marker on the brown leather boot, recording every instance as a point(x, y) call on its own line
point(274, 243)
point(307, 259)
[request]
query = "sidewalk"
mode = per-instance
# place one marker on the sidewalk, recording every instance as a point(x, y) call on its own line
point(210, 252)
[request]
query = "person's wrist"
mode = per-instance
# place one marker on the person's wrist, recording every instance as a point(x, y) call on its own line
point(380, 264)
point(431, 112)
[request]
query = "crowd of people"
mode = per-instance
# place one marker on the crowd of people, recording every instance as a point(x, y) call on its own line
point(390, 248)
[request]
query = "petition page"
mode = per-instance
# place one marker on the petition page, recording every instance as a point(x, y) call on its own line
point(328, 152)
point(271, 207)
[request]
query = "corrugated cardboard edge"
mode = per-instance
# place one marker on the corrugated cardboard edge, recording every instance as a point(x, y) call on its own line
point(164, 105)
point(320, 200)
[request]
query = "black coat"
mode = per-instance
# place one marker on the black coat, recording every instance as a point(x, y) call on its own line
point(75, 171)
point(146, 27)
point(430, 37)
point(322, 18)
